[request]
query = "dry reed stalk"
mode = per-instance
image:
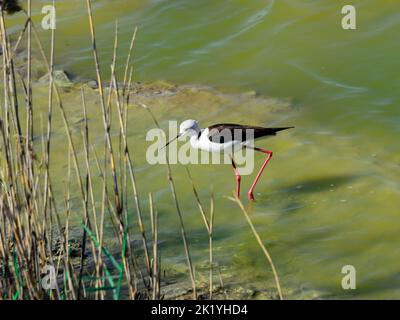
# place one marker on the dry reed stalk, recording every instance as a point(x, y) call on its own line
point(87, 222)
point(21, 34)
point(103, 108)
point(88, 171)
point(128, 161)
point(128, 62)
point(49, 111)
point(221, 283)
point(261, 244)
point(63, 114)
point(156, 265)
point(132, 176)
point(210, 243)
point(66, 246)
point(27, 242)
point(178, 211)
point(209, 224)
point(29, 119)
point(25, 253)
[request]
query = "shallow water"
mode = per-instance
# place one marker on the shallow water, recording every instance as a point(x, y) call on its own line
point(330, 196)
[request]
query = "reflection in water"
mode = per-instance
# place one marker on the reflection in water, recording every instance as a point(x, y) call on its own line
point(320, 184)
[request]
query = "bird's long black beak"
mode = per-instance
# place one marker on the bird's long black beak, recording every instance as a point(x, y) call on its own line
point(173, 139)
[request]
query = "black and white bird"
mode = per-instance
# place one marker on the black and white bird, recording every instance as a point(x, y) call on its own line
point(228, 137)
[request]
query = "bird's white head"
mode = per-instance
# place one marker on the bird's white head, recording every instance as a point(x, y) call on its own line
point(189, 128)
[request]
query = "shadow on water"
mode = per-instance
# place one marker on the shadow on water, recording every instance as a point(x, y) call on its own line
point(320, 184)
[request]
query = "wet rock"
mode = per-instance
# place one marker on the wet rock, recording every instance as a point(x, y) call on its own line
point(92, 84)
point(178, 290)
point(250, 93)
point(61, 78)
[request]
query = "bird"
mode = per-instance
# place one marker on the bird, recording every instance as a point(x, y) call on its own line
point(10, 6)
point(228, 137)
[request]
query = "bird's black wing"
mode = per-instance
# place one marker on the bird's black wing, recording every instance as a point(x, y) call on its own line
point(226, 132)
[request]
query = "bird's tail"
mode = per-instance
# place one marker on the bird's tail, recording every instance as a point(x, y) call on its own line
point(273, 131)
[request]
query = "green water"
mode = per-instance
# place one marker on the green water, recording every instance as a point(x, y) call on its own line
point(330, 196)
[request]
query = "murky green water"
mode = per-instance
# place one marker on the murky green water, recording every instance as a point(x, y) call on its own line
point(330, 197)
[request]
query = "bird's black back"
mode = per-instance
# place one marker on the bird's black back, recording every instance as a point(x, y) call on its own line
point(225, 132)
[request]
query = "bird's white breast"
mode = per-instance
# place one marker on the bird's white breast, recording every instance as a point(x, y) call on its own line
point(205, 144)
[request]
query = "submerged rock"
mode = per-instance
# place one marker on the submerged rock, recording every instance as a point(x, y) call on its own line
point(92, 84)
point(61, 78)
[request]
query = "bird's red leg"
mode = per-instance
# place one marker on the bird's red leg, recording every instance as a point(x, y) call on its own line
point(269, 156)
point(237, 175)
